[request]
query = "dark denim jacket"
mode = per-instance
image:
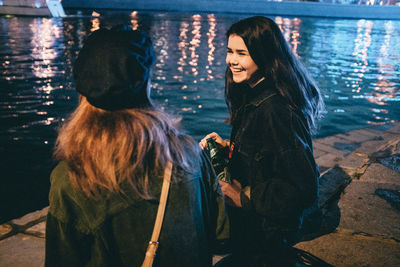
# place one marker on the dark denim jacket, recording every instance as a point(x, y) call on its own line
point(273, 160)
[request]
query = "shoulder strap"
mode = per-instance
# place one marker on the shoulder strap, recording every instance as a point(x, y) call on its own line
point(153, 244)
point(163, 202)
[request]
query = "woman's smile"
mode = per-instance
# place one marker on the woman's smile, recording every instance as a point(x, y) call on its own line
point(239, 60)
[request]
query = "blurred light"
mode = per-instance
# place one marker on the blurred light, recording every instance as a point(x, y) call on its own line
point(362, 42)
point(376, 110)
point(195, 42)
point(290, 29)
point(376, 123)
point(211, 35)
point(339, 111)
point(43, 37)
point(160, 37)
point(47, 88)
point(182, 45)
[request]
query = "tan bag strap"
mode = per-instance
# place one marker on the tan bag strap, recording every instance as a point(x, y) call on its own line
point(153, 244)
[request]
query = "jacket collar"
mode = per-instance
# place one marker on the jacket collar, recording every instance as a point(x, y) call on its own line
point(261, 92)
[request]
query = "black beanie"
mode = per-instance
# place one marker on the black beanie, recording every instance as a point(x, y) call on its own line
point(113, 68)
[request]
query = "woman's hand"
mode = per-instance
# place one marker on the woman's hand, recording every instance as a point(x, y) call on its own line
point(231, 192)
point(217, 139)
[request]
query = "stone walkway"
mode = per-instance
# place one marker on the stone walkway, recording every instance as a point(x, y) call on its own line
point(360, 200)
point(360, 196)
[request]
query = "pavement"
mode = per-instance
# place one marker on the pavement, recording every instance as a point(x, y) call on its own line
point(359, 197)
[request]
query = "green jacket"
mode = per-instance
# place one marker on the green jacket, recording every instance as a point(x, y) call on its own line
point(115, 230)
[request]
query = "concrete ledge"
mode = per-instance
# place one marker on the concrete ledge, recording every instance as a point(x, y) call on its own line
point(308, 9)
point(41, 8)
point(363, 211)
point(23, 251)
point(347, 248)
point(27, 3)
point(25, 11)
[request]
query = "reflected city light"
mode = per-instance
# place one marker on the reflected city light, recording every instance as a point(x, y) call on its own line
point(362, 42)
point(162, 43)
point(182, 45)
point(212, 21)
point(195, 43)
point(295, 42)
point(160, 36)
point(383, 89)
point(7, 66)
point(211, 35)
point(47, 88)
point(43, 37)
point(385, 75)
point(290, 29)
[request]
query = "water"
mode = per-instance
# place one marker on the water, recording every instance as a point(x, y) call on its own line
point(356, 63)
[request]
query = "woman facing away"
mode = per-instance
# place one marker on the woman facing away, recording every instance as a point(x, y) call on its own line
point(273, 105)
point(113, 150)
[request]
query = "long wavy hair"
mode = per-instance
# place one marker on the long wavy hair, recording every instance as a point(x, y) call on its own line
point(104, 149)
point(277, 63)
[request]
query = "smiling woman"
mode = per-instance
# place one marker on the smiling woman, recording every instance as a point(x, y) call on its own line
point(240, 62)
point(274, 105)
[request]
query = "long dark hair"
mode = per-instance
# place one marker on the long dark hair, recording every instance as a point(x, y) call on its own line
point(278, 64)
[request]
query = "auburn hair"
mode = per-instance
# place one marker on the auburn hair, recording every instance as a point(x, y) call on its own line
point(104, 149)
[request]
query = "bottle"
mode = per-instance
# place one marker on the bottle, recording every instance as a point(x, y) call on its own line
point(218, 161)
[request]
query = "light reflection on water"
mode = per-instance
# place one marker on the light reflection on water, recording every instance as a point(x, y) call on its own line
point(355, 62)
